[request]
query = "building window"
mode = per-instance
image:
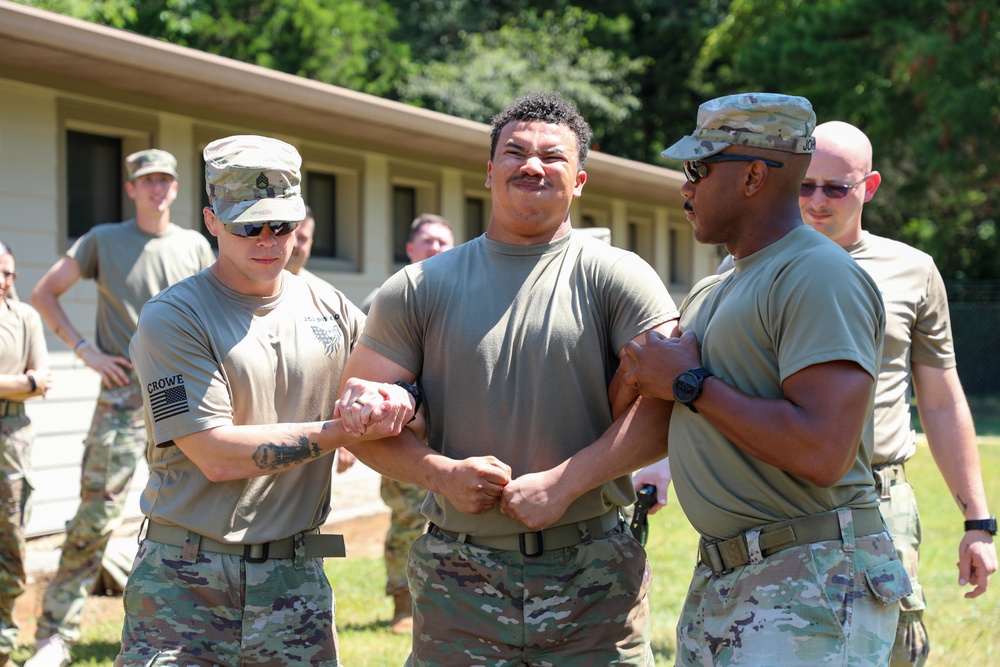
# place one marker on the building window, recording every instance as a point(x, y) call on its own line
point(404, 210)
point(94, 181)
point(675, 259)
point(475, 217)
point(321, 196)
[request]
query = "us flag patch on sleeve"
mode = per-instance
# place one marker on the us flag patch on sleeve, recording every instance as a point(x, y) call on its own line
point(167, 397)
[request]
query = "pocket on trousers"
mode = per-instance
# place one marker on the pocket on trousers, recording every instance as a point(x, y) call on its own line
point(888, 581)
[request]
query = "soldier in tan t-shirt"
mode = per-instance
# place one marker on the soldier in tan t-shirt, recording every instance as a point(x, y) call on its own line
point(919, 358)
point(129, 262)
point(239, 367)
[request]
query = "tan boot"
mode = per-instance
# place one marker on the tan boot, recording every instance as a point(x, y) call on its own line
point(402, 616)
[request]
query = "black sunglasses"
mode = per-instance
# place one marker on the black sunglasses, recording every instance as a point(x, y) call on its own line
point(830, 191)
point(251, 229)
point(697, 169)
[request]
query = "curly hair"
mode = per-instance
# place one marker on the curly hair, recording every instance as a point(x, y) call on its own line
point(548, 108)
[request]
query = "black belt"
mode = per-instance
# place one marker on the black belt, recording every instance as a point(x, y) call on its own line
point(888, 475)
point(316, 544)
point(724, 556)
point(535, 543)
point(11, 408)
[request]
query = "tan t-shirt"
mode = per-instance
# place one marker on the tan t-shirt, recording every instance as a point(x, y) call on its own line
point(514, 347)
point(917, 331)
point(129, 266)
point(22, 341)
point(208, 356)
point(798, 302)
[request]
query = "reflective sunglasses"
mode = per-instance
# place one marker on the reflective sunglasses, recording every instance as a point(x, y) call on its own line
point(830, 191)
point(697, 169)
point(252, 229)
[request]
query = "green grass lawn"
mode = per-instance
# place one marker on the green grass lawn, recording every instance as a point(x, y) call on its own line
point(964, 633)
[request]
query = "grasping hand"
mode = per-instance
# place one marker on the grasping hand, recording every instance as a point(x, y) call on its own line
point(534, 500)
point(363, 403)
point(657, 474)
point(474, 485)
point(654, 366)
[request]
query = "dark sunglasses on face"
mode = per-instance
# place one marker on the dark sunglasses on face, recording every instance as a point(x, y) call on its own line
point(830, 191)
point(697, 169)
point(251, 229)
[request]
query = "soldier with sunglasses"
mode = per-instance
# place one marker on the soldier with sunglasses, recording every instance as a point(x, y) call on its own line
point(919, 358)
point(130, 262)
point(239, 367)
point(770, 438)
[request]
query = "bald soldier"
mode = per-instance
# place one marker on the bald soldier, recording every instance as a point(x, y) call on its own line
point(919, 357)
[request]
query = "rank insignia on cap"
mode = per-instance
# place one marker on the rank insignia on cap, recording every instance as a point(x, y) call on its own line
point(262, 181)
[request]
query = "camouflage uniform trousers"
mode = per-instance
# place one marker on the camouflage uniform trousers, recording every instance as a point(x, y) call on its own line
point(584, 606)
point(16, 437)
point(828, 603)
point(406, 525)
point(222, 610)
point(900, 512)
point(113, 447)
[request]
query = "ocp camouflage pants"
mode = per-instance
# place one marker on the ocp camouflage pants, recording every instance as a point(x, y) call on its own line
point(16, 436)
point(900, 511)
point(223, 611)
point(406, 525)
point(584, 606)
point(112, 449)
point(829, 603)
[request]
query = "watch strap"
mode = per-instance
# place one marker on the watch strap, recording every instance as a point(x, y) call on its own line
point(413, 391)
point(989, 525)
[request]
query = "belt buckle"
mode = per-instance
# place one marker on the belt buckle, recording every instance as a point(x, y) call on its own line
point(248, 551)
point(541, 544)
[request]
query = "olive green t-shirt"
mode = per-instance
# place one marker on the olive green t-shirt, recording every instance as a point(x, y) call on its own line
point(917, 331)
point(208, 356)
point(129, 266)
point(798, 302)
point(514, 347)
point(22, 340)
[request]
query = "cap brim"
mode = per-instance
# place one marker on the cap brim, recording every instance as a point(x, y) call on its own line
point(690, 148)
point(271, 209)
point(153, 170)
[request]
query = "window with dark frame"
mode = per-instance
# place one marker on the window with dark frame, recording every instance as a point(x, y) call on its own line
point(404, 210)
point(475, 217)
point(94, 181)
point(321, 195)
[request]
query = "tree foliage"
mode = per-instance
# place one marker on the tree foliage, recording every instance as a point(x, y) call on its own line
point(920, 77)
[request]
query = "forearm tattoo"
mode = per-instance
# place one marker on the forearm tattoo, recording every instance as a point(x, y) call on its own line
point(965, 505)
point(272, 456)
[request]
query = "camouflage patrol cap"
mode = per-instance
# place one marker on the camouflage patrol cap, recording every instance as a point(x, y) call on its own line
point(254, 179)
point(764, 120)
point(150, 161)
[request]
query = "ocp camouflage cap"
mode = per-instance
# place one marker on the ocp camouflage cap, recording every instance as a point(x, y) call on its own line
point(764, 120)
point(250, 178)
point(150, 161)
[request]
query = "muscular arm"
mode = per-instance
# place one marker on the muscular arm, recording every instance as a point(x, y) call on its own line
point(637, 438)
point(241, 452)
point(812, 432)
point(472, 485)
point(951, 437)
point(45, 298)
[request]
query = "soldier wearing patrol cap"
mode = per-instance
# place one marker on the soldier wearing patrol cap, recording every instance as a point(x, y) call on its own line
point(239, 367)
point(771, 433)
point(130, 262)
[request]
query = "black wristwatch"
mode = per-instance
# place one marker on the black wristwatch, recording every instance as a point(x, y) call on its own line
point(688, 386)
point(418, 398)
point(989, 525)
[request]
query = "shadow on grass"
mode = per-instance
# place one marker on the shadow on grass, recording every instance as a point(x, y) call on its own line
point(663, 654)
point(373, 626)
point(96, 652)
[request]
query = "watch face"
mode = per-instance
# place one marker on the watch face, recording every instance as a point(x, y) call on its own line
point(685, 387)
